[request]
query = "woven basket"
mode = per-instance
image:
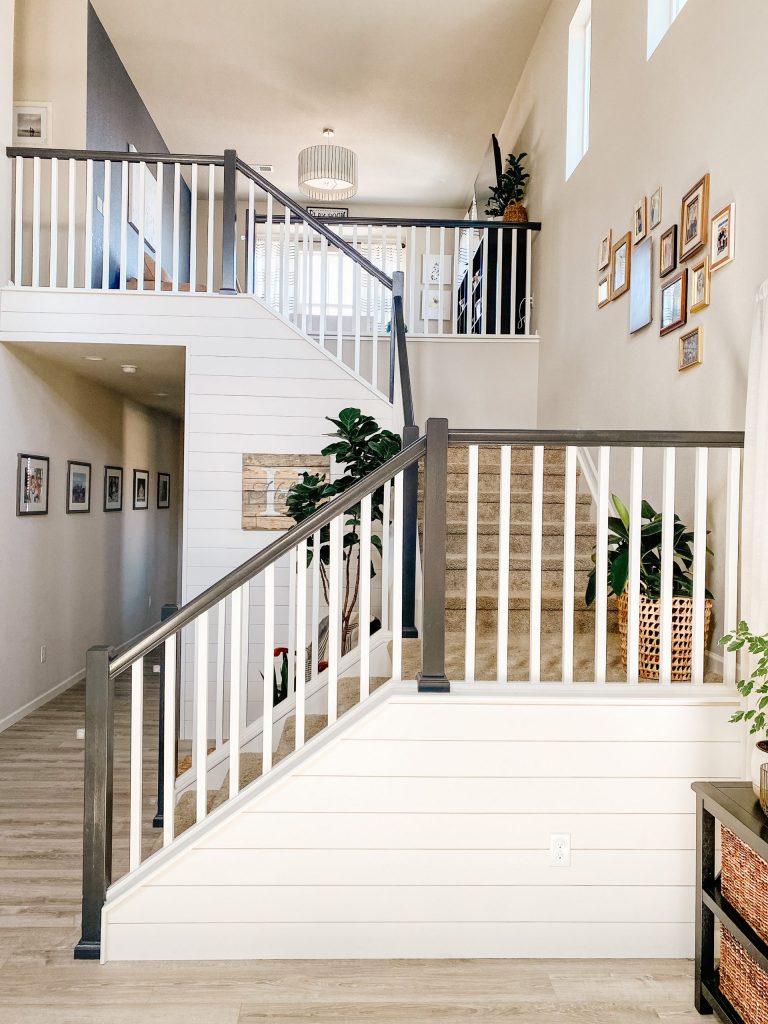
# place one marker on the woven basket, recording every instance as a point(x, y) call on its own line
point(650, 635)
point(744, 882)
point(742, 982)
point(515, 213)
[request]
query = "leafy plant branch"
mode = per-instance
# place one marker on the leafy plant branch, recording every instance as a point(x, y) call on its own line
point(757, 684)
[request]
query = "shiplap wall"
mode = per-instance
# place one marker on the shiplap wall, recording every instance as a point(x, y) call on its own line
point(423, 830)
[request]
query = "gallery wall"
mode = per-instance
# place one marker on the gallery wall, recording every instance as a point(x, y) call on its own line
point(72, 580)
point(664, 122)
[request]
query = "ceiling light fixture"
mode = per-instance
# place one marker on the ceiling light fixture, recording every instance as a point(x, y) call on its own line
point(161, 394)
point(129, 368)
point(94, 359)
point(328, 172)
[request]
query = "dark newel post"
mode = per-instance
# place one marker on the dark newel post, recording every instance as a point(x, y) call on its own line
point(410, 531)
point(705, 920)
point(157, 822)
point(432, 677)
point(97, 819)
point(229, 224)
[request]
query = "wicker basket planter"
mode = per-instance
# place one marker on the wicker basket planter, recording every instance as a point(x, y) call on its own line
point(515, 213)
point(650, 635)
point(742, 982)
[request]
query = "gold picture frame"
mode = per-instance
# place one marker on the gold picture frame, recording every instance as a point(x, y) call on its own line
point(674, 303)
point(690, 349)
point(604, 252)
point(654, 211)
point(699, 288)
point(694, 219)
point(603, 292)
point(621, 265)
point(668, 251)
point(723, 237)
point(640, 221)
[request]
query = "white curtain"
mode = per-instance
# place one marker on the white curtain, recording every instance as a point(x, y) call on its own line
point(754, 538)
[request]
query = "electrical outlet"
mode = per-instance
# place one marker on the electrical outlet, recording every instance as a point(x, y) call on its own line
point(560, 849)
point(79, 734)
point(156, 669)
point(43, 654)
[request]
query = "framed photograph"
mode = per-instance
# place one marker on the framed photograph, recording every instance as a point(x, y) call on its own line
point(641, 290)
point(32, 125)
point(163, 490)
point(723, 244)
point(328, 212)
point(640, 221)
point(655, 209)
point(78, 486)
point(32, 485)
point(674, 309)
point(694, 219)
point(691, 352)
point(604, 253)
point(113, 488)
point(699, 285)
point(431, 267)
point(603, 292)
point(621, 265)
point(141, 488)
point(668, 251)
point(433, 305)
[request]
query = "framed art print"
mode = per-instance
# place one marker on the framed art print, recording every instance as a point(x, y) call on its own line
point(32, 485)
point(655, 209)
point(640, 221)
point(641, 290)
point(621, 265)
point(603, 292)
point(694, 219)
point(78, 486)
point(604, 252)
point(163, 490)
point(691, 349)
point(699, 285)
point(668, 251)
point(141, 488)
point(674, 309)
point(32, 125)
point(113, 488)
point(723, 244)
point(436, 270)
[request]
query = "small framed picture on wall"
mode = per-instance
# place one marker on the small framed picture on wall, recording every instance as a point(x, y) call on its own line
point(113, 488)
point(141, 488)
point(640, 221)
point(674, 299)
point(78, 486)
point(32, 485)
point(723, 243)
point(668, 251)
point(163, 490)
point(604, 252)
point(32, 125)
point(694, 219)
point(655, 209)
point(691, 351)
point(621, 265)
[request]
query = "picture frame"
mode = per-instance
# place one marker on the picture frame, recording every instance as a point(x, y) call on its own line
point(604, 252)
point(433, 305)
point(32, 484)
point(141, 489)
point(163, 490)
point(32, 124)
point(691, 349)
point(621, 265)
point(674, 307)
point(113, 488)
point(603, 292)
point(78, 487)
point(431, 266)
point(640, 221)
point(699, 287)
point(654, 213)
point(723, 237)
point(694, 219)
point(641, 290)
point(668, 251)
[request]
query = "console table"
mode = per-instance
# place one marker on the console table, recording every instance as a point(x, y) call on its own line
point(734, 805)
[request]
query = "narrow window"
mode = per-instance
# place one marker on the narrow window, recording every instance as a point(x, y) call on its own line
point(661, 14)
point(579, 86)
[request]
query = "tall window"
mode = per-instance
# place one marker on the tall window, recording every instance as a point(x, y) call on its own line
point(579, 85)
point(661, 14)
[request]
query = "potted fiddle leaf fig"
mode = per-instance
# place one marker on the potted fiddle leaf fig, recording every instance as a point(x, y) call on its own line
point(507, 196)
point(650, 589)
point(757, 688)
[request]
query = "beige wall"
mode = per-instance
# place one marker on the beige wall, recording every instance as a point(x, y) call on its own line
point(692, 108)
point(6, 98)
point(70, 581)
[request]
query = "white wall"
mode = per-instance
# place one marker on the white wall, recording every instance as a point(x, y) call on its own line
point(423, 830)
point(6, 100)
point(75, 580)
point(691, 109)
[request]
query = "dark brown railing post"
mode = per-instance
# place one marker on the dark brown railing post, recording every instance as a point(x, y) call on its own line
point(97, 801)
point(410, 533)
point(229, 224)
point(432, 678)
point(157, 822)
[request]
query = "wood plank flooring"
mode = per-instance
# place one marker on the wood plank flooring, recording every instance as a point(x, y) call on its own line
point(40, 983)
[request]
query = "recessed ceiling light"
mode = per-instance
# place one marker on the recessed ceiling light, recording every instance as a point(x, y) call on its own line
point(94, 359)
point(129, 368)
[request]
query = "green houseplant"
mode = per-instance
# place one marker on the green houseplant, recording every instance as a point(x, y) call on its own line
point(361, 446)
point(507, 196)
point(650, 587)
point(757, 688)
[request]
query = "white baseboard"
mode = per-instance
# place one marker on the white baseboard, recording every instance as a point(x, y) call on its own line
point(33, 705)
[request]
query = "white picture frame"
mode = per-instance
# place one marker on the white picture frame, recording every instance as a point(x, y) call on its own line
point(433, 304)
point(431, 269)
point(32, 125)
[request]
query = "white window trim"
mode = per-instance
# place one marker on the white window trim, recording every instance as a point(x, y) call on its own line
point(661, 14)
point(579, 86)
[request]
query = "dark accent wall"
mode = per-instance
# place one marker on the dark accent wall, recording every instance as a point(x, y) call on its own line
point(116, 116)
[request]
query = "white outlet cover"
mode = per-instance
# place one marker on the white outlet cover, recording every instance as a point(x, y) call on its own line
point(156, 669)
point(560, 849)
point(79, 734)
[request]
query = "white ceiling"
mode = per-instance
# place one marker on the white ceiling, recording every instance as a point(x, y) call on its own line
point(415, 88)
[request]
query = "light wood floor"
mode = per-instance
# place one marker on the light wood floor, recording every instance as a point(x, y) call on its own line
point(40, 983)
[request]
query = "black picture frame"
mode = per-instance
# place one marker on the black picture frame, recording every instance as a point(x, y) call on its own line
point(164, 478)
point(112, 471)
point(140, 475)
point(22, 460)
point(71, 465)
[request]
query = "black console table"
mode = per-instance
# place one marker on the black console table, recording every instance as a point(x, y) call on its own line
point(734, 805)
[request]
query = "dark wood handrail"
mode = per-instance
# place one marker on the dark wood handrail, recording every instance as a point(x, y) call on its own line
point(609, 438)
point(422, 222)
point(100, 155)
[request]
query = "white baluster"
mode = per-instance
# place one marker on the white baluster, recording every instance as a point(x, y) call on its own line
point(667, 561)
point(499, 261)
point(286, 241)
point(412, 281)
point(53, 255)
point(364, 616)
point(159, 229)
point(201, 716)
point(569, 558)
point(169, 740)
point(71, 226)
point(427, 287)
point(251, 236)
point(301, 640)
point(315, 605)
point(193, 230)
point(209, 240)
point(528, 288)
point(731, 580)
point(471, 612)
point(221, 625)
point(601, 564)
point(502, 602)
point(397, 581)
point(323, 288)
point(455, 283)
point(513, 312)
point(18, 224)
point(106, 224)
point(484, 286)
point(235, 688)
point(633, 593)
point(269, 666)
point(385, 558)
point(291, 617)
point(699, 563)
point(245, 647)
point(137, 744)
point(339, 320)
point(470, 284)
point(375, 287)
point(36, 222)
point(268, 297)
point(537, 508)
point(141, 242)
point(440, 282)
point(334, 615)
point(88, 283)
point(123, 224)
point(175, 254)
point(357, 301)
